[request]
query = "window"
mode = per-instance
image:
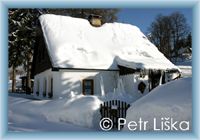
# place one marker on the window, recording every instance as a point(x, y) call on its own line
point(45, 88)
point(38, 88)
point(88, 87)
point(50, 94)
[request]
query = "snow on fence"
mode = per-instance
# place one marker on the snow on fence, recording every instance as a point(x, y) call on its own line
point(114, 110)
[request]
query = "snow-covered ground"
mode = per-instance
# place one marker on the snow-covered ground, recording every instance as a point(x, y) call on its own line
point(171, 100)
point(74, 114)
point(186, 71)
point(185, 66)
point(81, 113)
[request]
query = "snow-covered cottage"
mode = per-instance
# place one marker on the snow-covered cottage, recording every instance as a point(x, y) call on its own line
point(73, 55)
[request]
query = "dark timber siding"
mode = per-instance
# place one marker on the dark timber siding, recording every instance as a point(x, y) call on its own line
point(124, 70)
point(41, 59)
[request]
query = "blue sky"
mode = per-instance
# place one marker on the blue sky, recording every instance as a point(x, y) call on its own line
point(144, 17)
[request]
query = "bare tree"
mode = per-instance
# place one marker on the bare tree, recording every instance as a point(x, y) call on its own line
point(161, 34)
point(168, 34)
point(180, 31)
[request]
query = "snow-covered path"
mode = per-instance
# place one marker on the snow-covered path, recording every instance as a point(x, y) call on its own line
point(24, 115)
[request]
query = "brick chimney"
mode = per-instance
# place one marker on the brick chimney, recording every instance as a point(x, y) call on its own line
point(95, 20)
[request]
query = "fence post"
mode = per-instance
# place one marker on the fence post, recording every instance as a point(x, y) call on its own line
point(114, 110)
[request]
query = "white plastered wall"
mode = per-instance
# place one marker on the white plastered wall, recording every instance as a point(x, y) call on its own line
point(66, 81)
point(39, 84)
point(131, 82)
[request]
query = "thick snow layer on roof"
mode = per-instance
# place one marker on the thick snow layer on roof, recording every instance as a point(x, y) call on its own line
point(74, 43)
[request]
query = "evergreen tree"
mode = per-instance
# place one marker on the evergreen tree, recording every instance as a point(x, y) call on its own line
point(23, 24)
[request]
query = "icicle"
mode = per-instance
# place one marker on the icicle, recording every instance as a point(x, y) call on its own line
point(161, 77)
point(120, 87)
point(102, 86)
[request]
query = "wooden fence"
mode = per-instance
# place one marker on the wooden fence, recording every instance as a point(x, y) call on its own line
point(114, 110)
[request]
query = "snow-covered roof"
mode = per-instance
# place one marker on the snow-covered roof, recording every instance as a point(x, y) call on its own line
point(74, 43)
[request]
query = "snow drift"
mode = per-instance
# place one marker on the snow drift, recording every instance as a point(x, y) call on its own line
point(78, 110)
point(171, 100)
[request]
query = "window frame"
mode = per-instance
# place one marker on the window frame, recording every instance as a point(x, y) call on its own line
point(92, 86)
